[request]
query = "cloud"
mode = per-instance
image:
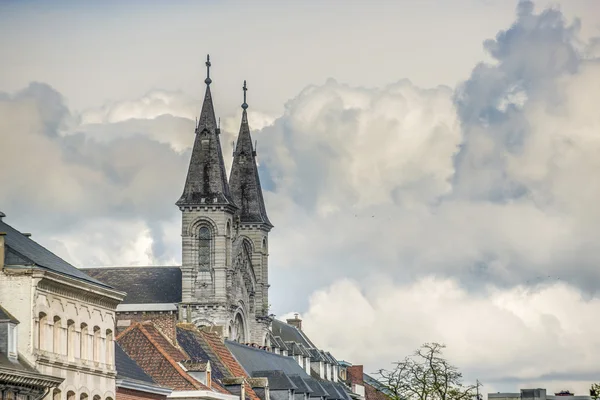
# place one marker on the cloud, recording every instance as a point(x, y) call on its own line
point(502, 337)
point(446, 210)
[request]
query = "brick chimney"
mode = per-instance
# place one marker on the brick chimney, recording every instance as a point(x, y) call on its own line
point(355, 374)
point(297, 322)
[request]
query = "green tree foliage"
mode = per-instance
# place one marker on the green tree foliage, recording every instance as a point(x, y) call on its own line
point(426, 375)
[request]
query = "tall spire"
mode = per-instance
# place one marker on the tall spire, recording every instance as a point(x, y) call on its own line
point(244, 180)
point(206, 181)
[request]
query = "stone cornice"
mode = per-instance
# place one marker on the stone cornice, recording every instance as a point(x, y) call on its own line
point(21, 377)
point(77, 289)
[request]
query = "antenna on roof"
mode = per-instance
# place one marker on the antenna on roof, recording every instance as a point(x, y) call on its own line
point(219, 126)
point(233, 147)
point(255, 147)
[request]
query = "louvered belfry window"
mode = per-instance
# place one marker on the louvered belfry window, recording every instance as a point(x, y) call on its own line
point(204, 249)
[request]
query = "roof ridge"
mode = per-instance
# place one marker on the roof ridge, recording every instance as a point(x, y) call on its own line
point(175, 364)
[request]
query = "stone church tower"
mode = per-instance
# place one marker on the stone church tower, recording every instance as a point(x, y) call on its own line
point(225, 232)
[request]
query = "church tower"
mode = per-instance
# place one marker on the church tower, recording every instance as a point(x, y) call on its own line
point(223, 279)
point(251, 222)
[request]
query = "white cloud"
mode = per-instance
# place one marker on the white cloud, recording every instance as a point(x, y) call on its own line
point(526, 333)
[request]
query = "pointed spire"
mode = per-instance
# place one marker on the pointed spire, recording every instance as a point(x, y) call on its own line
point(206, 181)
point(244, 180)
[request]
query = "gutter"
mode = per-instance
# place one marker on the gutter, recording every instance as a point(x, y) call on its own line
point(201, 394)
point(143, 387)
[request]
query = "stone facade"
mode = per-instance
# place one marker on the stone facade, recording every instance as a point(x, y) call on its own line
point(67, 330)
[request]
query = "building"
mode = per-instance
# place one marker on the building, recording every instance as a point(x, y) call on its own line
point(67, 318)
point(223, 279)
point(536, 394)
point(19, 380)
point(133, 383)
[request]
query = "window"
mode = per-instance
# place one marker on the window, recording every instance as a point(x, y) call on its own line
point(83, 342)
point(70, 395)
point(96, 344)
point(12, 340)
point(42, 326)
point(57, 336)
point(71, 339)
point(83, 396)
point(204, 255)
point(109, 347)
point(56, 394)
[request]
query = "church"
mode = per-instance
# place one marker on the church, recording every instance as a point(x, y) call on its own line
point(224, 277)
point(201, 330)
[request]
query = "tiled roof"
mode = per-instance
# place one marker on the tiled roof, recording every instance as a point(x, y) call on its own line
point(254, 360)
point(24, 251)
point(290, 333)
point(301, 385)
point(157, 357)
point(278, 380)
point(143, 285)
point(203, 345)
point(369, 380)
point(127, 368)
point(5, 316)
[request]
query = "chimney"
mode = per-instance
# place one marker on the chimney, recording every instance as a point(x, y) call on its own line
point(26, 234)
point(355, 374)
point(2, 248)
point(2, 215)
point(297, 322)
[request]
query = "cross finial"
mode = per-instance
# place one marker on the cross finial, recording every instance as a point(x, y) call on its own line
point(208, 80)
point(245, 89)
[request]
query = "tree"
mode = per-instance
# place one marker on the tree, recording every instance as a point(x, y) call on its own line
point(426, 375)
point(595, 391)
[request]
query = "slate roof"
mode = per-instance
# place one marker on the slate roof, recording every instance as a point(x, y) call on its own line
point(157, 357)
point(369, 380)
point(143, 285)
point(5, 316)
point(127, 368)
point(290, 333)
point(255, 360)
point(278, 380)
point(201, 345)
point(301, 385)
point(24, 251)
point(244, 180)
point(206, 178)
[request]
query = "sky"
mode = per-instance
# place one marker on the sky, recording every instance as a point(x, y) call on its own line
point(429, 166)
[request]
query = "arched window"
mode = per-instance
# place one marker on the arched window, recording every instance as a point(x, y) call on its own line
point(70, 395)
point(204, 255)
point(42, 327)
point(70, 340)
point(57, 336)
point(56, 394)
point(84, 338)
point(96, 397)
point(96, 344)
point(109, 348)
point(83, 396)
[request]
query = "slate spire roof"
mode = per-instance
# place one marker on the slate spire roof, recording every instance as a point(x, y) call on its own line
point(244, 180)
point(206, 180)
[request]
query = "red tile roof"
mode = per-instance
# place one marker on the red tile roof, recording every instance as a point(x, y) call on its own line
point(223, 354)
point(153, 352)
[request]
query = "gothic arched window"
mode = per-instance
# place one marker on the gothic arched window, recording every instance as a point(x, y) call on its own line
point(204, 238)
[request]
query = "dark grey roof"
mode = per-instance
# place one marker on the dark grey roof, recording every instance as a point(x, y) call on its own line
point(127, 368)
point(244, 180)
point(332, 390)
point(290, 333)
point(278, 380)
point(369, 380)
point(316, 355)
point(278, 342)
point(342, 390)
point(143, 285)
point(332, 358)
point(196, 347)
point(5, 316)
point(301, 385)
point(24, 251)
point(278, 394)
point(206, 178)
point(253, 359)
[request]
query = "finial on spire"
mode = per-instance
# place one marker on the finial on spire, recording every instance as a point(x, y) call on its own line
point(245, 105)
point(208, 80)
